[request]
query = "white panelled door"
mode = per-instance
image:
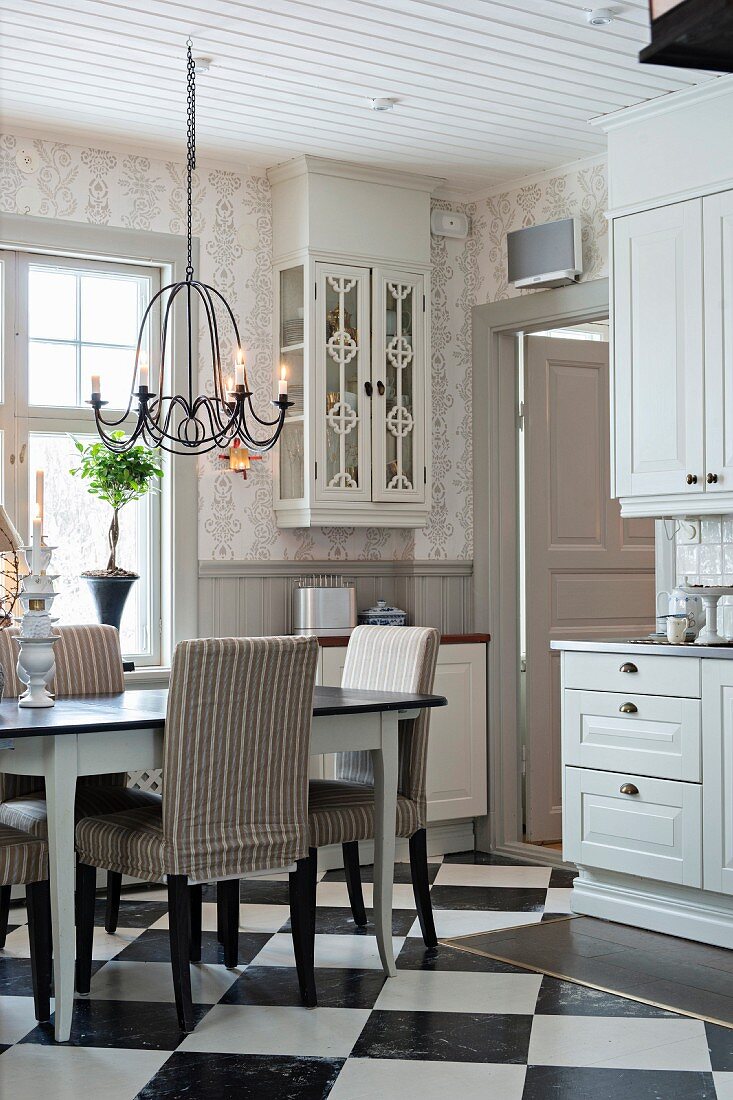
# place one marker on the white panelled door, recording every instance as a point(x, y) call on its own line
point(718, 239)
point(658, 351)
point(589, 574)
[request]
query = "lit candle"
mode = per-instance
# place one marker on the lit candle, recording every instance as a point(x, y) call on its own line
point(96, 386)
point(144, 371)
point(39, 494)
point(239, 369)
point(36, 543)
point(283, 385)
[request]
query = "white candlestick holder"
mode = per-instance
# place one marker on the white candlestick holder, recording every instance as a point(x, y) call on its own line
point(36, 639)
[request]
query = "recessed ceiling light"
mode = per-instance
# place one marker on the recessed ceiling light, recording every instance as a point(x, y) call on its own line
point(382, 103)
point(599, 17)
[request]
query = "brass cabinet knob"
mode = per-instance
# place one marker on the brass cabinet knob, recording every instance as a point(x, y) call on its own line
point(712, 479)
point(628, 666)
point(628, 788)
point(691, 479)
point(628, 708)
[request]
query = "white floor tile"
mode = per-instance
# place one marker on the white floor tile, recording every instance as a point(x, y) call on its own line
point(337, 894)
point(558, 900)
point(252, 918)
point(403, 1079)
point(723, 1086)
point(467, 922)
point(17, 1018)
point(104, 946)
point(67, 1073)
point(619, 1043)
point(153, 981)
point(349, 952)
point(445, 991)
point(253, 1029)
point(468, 874)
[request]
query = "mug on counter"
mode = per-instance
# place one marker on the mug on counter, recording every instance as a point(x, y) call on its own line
point(676, 629)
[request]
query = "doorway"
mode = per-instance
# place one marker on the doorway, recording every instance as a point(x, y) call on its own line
point(583, 571)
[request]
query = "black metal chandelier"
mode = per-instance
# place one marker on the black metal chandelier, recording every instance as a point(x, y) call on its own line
point(184, 423)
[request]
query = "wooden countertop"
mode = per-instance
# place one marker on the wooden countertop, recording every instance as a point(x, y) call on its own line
point(333, 641)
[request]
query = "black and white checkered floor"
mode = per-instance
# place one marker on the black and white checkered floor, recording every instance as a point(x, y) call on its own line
point(450, 1024)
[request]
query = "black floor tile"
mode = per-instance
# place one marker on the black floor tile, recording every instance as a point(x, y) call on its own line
point(557, 998)
point(128, 1025)
point(242, 1077)
point(483, 858)
point(504, 898)
point(338, 921)
point(133, 914)
point(445, 1036)
point(154, 946)
point(562, 879)
point(278, 985)
point(720, 1044)
point(415, 956)
point(264, 892)
point(3, 1048)
point(565, 1083)
point(402, 873)
point(15, 978)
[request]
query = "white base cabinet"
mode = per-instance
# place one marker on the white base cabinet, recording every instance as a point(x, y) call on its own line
point(648, 789)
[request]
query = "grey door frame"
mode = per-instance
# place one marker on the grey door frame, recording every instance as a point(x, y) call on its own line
point(496, 578)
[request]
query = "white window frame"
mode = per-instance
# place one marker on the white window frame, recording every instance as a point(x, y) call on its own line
point(178, 549)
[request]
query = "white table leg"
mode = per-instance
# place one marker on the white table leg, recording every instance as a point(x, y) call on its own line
point(385, 763)
point(60, 758)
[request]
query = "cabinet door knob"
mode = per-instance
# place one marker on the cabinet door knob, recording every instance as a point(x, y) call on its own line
point(712, 479)
point(628, 666)
point(380, 388)
point(628, 788)
point(628, 708)
point(368, 389)
point(691, 479)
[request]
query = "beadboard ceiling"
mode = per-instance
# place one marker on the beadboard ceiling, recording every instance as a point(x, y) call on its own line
point(488, 90)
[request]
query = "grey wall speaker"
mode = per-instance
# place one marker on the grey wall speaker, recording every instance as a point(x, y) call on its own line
point(449, 223)
point(545, 255)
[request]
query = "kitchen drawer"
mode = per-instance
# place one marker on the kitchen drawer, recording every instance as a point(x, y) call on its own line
point(660, 738)
point(643, 675)
point(655, 833)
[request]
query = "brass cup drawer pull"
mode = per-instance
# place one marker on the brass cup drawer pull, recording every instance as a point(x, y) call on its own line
point(628, 666)
point(628, 788)
point(628, 708)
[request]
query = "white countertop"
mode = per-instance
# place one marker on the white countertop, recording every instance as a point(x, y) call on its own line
point(652, 649)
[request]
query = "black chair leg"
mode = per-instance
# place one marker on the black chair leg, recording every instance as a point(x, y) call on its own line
point(179, 924)
point(421, 886)
point(219, 915)
point(4, 913)
point(303, 924)
point(353, 882)
point(195, 900)
point(38, 900)
point(86, 893)
point(227, 899)
point(112, 911)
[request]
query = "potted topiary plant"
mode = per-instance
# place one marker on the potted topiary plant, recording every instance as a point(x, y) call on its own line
point(117, 479)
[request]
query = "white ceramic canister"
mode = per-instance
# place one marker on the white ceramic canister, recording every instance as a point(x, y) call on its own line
point(686, 603)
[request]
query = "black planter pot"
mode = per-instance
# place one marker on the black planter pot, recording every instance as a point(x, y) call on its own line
point(110, 596)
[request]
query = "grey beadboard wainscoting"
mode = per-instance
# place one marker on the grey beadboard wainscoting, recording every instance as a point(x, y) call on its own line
point(249, 598)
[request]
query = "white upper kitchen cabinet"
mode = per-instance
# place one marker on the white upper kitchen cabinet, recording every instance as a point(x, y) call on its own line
point(352, 338)
point(658, 351)
point(718, 286)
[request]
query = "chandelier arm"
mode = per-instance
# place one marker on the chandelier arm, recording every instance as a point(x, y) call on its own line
point(233, 320)
point(219, 386)
point(174, 290)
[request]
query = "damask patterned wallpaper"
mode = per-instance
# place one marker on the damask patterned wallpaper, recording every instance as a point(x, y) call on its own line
point(233, 222)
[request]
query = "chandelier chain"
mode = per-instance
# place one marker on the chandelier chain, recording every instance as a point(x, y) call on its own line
point(190, 150)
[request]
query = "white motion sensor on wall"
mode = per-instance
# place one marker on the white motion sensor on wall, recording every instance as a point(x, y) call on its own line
point(449, 223)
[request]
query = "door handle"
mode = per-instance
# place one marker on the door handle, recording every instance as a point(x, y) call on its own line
point(368, 389)
point(628, 666)
point(628, 788)
point(712, 479)
point(628, 708)
point(691, 479)
point(380, 388)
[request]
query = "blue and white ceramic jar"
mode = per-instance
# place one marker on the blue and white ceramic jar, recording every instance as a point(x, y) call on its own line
point(383, 615)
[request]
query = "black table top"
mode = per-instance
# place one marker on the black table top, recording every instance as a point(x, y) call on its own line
point(145, 709)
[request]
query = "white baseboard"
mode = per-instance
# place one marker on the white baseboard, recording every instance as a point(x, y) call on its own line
point(661, 907)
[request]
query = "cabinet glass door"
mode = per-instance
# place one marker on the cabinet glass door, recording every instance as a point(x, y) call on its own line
point(398, 374)
point(342, 358)
point(290, 360)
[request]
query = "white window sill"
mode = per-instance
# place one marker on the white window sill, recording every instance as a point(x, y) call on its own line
point(148, 677)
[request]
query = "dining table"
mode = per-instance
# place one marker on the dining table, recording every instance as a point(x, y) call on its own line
point(102, 734)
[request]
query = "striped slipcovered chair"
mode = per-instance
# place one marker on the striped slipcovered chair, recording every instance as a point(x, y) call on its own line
point(24, 862)
point(235, 798)
point(341, 810)
point(88, 662)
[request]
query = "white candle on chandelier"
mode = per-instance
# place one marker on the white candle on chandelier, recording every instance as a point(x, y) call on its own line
point(96, 386)
point(144, 379)
point(36, 543)
point(282, 389)
point(239, 368)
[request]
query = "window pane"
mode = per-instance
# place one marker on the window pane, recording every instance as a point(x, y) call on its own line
point(51, 304)
point(51, 373)
point(77, 524)
point(114, 367)
point(109, 309)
